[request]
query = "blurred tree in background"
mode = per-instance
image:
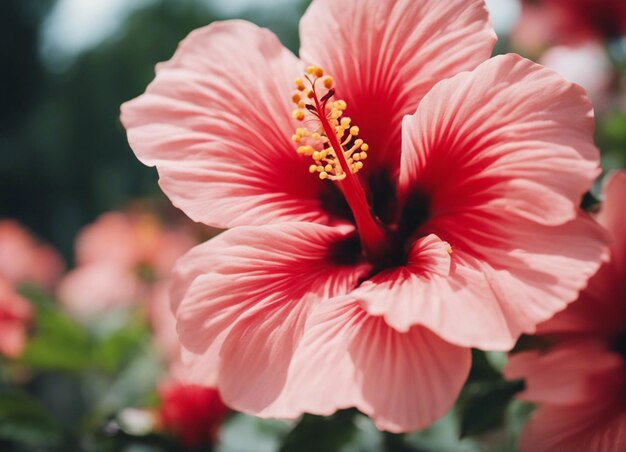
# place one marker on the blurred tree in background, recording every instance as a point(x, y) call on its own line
point(64, 157)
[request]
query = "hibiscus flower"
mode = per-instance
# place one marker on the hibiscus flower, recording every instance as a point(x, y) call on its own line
point(580, 382)
point(571, 21)
point(191, 413)
point(384, 219)
point(120, 258)
point(23, 259)
point(15, 316)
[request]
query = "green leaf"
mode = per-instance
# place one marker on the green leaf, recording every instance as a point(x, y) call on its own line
point(482, 370)
point(24, 421)
point(316, 433)
point(59, 343)
point(484, 405)
point(118, 348)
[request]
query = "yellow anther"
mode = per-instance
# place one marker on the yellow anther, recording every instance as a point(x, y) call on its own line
point(341, 104)
point(305, 150)
point(316, 71)
point(334, 157)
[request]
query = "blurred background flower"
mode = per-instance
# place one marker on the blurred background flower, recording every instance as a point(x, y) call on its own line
point(89, 358)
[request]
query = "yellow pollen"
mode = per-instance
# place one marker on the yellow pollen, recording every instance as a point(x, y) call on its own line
point(298, 114)
point(320, 112)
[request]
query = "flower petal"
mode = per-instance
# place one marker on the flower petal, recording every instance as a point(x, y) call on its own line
point(613, 217)
point(493, 295)
point(385, 55)
point(112, 239)
point(15, 316)
point(582, 428)
point(400, 293)
point(404, 381)
point(562, 376)
point(250, 306)
point(600, 309)
point(93, 289)
point(216, 122)
point(511, 139)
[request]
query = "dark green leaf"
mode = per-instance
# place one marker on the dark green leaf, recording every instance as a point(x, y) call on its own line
point(482, 370)
point(316, 433)
point(24, 421)
point(484, 405)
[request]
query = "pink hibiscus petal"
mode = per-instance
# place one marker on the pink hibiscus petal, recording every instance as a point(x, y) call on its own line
point(385, 55)
point(400, 293)
point(580, 428)
point(403, 381)
point(15, 316)
point(510, 139)
point(613, 217)
point(91, 290)
point(256, 286)
point(533, 275)
point(563, 375)
point(216, 122)
point(600, 309)
point(111, 238)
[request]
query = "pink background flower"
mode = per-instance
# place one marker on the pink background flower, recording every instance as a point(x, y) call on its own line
point(118, 258)
point(580, 382)
point(192, 413)
point(15, 317)
point(25, 260)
